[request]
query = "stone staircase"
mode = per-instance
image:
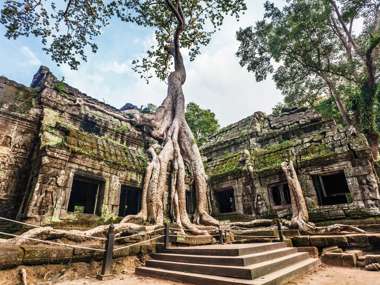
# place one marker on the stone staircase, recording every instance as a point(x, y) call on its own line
point(254, 263)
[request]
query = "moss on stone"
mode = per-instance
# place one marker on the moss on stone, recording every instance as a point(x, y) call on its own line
point(229, 164)
point(50, 139)
point(110, 152)
point(18, 99)
point(272, 156)
point(123, 128)
point(60, 86)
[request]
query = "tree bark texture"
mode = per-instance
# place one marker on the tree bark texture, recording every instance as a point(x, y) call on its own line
point(177, 151)
point(300, 215)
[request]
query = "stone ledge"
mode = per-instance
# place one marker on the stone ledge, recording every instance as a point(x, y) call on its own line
point(343, 241)
point(13, 255)
point(42, 254)
point(10, 256)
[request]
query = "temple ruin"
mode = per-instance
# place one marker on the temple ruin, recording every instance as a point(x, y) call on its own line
point(64, 155)
point(334, 166)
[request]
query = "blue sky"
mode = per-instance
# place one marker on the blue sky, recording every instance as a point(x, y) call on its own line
point(215, 80)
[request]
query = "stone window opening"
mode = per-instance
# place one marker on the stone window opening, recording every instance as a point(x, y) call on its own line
point(86, 196)
point(225, 200)
point(280, 195)
point(332, 189)
point(89, 125)
point(130, 200)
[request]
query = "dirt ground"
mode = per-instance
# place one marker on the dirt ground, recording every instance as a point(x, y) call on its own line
point(78, 273)
point(328, 275)
point(85, 273)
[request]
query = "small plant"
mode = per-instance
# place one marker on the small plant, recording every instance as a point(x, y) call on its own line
point(60, 86)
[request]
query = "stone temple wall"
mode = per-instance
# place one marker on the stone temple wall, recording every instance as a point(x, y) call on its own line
point(18, 129)
point(246, 158)
point(56, 143)
point(59, 135)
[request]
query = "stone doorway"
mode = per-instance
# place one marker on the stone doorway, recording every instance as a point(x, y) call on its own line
point(190, 201)
point(225, 200)
point(280, 195)
point(332, 189)
point(130, 201)
point(85, 196)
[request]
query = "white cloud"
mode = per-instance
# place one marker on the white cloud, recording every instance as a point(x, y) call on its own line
point(116, 67)
point(215, 80)
point(32, 59)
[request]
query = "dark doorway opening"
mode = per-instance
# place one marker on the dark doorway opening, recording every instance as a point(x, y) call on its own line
point(190, 201)
point(226, 200)
point(280, 194)
point(130, 201)
point(85, 196)
point(332, 189)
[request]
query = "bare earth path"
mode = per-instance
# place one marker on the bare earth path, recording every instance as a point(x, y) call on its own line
point(129, 279)
point(326, 275)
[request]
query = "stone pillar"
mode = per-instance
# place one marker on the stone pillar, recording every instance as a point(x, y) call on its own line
point(114, 194)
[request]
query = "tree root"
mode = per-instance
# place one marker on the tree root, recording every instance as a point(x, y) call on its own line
point(177, 150)
point(49, 233)
point(23, 275)
point(253, 224)
point(373, 267)
point(307, 228)
point(300, 215)
point(311, 229)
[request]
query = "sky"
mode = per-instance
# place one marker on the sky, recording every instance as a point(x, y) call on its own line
point(215, 80)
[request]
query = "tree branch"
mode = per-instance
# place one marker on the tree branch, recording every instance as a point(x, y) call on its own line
point(177, 11)
point(345, 29)
point(374, 42)
point(65, 14)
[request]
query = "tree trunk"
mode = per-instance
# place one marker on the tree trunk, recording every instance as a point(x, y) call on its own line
point(179, 148)
point(373, 141)
point(300, 217)
point(300, 214)
point(368, 116)
point(339, 102)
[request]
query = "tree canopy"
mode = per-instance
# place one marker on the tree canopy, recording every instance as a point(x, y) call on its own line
point(319, 49)
point(202, 122)
point(68, 29)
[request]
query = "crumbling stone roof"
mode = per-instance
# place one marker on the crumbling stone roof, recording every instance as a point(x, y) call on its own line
point(301, 134)
point(44, 78)
point(16, 98)
point(71, 121)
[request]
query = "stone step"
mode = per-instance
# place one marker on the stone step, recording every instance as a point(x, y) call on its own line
point(262, 232)
point(225, 260)
point(227, 250)
point(242, 272)
point(288, 273)
point(269, 266)
point(276, 278)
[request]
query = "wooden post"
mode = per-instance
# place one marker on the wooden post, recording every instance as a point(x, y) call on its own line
point(108, 254)
point(279, 229)
point(166, 238)
point(221, 237)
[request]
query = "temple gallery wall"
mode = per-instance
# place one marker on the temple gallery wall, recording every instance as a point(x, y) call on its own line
point(65, 155)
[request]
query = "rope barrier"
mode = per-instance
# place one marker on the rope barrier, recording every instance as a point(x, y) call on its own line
point(244, 236)
point(35, 226)
point(138, 234)
point(18, 222)
point(52, 242)
point(85, 236)
point(134, 244)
